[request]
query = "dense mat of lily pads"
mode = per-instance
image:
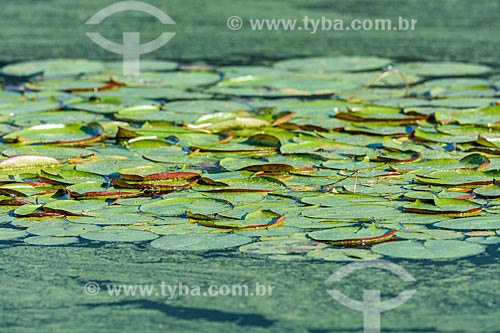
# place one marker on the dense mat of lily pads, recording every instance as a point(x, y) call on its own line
point(319, 158)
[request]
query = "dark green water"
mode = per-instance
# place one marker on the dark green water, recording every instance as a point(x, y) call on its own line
point(42, 291)
point(42, 287)
point(449, 29)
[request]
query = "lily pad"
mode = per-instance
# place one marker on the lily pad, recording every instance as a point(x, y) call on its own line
point(200, 242)
point(330, 254)
point(334, 64)
point(119, 235)
point(282, 246)
point(431, 249)
point(50, 240)
point(491, 222)
point(10, 234)
point(60, 134)
point(179, 206)
point(52, 68)
point(352, 236)
point(443, 69)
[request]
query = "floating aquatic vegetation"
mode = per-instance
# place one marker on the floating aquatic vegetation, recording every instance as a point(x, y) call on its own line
point(309, 159)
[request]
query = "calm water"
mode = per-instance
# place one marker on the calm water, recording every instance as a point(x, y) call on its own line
point(42, 287)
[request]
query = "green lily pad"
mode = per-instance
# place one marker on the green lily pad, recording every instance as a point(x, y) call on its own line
point(91, 190)
point(490, 191)
point(491, 222)
point(352, 235)
point(443, 69)
point(281, 246)
point(26, 164)
point(329, 254)
point(74, 134)
point(50, 240)
point(52, 68)
point(431, 249)
point(200, 242)
point(119, 235)
point(425, 234)
point(10, 234)
point(61, 229)
point(146, 66)
point(103, 217)
point(68, 176)
point(491, 240)
point(334, 64)
point(449, 207)
point(179, 206)
point(336, 200)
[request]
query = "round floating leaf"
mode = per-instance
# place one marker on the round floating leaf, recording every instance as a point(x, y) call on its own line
point(61, 229)
point(180, 226)
point(329, 254)
point(200, 242)
point(269, 232)
point(490, 191)
point(460, 177)
point(34, 210)
point(140, 172)
point(353, 235)
point(443, 206)
point(425, 234)
point(179, 206)
point(68, 176)
point(146, 66)
point(492, 240)
point(287, 257)
point(353, 212)
point(27, 161)
point(27, 222)
point(491, 222)
point(431, 249)
point(52, 68)
point(336, 200)
point(119, 235)
point(9, 234)
point(50, 240)
point(443, 68)
point(91, 190)
point(61, 134)
point(334, 64)
point(48, 151)
point(281, 246)
point(178, 79)
point(256, 219)
point(109, 218)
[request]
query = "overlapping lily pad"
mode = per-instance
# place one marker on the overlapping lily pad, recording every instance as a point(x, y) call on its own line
point(200, 242)
point(326, 158)
point(431, 249)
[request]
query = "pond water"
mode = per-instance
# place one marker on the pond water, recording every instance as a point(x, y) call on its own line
point(53, 288)
point(300, 162)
